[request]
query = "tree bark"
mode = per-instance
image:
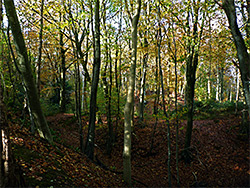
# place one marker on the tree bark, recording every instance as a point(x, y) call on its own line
point(144, 66)
point(89, 147)
point(222, 84)
point(63, 74)
point(143, 82)
point(159, 39)
point(192, 62)
point(217, 95)
point(130, 98)
point(118, 81)
point(26, 71)
point(40, 50)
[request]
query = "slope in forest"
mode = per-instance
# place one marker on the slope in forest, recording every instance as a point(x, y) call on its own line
point(220, 155)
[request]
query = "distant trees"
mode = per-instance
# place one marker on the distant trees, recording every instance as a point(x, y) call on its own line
point(241, 45)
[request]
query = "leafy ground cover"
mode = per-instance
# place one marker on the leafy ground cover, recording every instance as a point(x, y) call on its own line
point(220, 155)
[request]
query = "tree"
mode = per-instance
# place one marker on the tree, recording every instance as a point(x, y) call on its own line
point(144, 64)
point(40, 50)
point(26, 71)
point(192, 59)
point(243, 55)
point(89, 147)
point(159, 41)
point(9, 174)
point(130, 95)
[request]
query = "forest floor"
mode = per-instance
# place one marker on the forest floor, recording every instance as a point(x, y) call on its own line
point(220, 155)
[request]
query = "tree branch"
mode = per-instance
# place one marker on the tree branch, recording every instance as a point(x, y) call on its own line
point(236, 64)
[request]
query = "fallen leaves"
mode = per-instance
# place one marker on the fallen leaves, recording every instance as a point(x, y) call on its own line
point(220, 159)
point(56, 165)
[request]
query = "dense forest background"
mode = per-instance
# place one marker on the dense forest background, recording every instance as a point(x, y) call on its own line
point(92, 91)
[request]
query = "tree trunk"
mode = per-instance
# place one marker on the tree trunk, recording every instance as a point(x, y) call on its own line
point(243, 56)
point(25, 69)
point(130, 98)
point(84, 82)
point(10, 174)
point(110, 140)
point(89, 147)
point(144, 66)
point(78, 103)
point(40, 50)
point(108, 86)
point(156, 103)
point(190, 75)
point(1, 13)
point(237, 85)
point(142, 87)
point(159, 39)
point(222, 84)
point(176, 107)
point(217, 96)
point(210, 61)
point(63, 75)
point(118, 81)
point(192, 62)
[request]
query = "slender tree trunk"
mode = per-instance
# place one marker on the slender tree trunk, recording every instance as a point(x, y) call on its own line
point(159, 39)
point(40, 50)
point(89, 147)
point(84, 79)
point(108, 86)
point(237, 85)
point(176, 106)
point(217, 96)
point(25, 69)
point(1, 13)
point(156, 103)
point(230, 94)
point(221, 84)
point(192, 62)
point(83, 91)
point(210, 61)
point(106, 95)
point(63, 74)
point(237, 92)
point(157, 87)
point(130, 98)
point(142, 88)
point(118, 81)
point(144, 67)
point(110, 124)
point(78, 103)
